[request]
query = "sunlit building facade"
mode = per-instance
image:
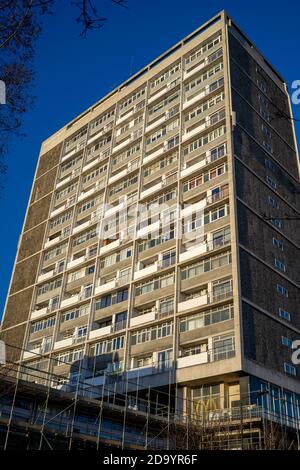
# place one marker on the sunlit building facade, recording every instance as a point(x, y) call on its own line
point(160, 241)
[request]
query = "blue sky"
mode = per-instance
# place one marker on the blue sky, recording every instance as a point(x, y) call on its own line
point(73, 73)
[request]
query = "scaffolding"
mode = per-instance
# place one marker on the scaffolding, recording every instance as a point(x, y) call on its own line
point(42, 410)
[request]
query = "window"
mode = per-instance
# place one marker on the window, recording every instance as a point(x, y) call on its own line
point(142, 361)
point(59, 250)
point(74, 140)
point(209, 317)
point(75, 313)
point(270, 165)
point(151, 334)
point(163, 163)
point(286, 342)
point(266, 131)
point(116, 257)
point(277, 223)
point(289, 369)
point(194, 84)
point(268, 146)
point(123, 185)
point(107, 346)
point(278, 243)
point(91, 151)
point(60, 220)
point(49, 286)
point(162, 238)
point(280, 265)
point(161, 104)
point(81, 331)
point(112, 299)
point(166, 75)
point(98, 171)
point(154, 284)
point(262, 84)
point(206, 265)
point(161, 199)
point(66, 166)
point(223, 347)
point(202, 49)
point(69, 357)
point(168, 258)
point(85, 237)
point(134, 97)
point(205, 177)
point(65, 191)
point(198, 110)
point(271, 182)
point(284, 314)
point(42, 325)
point(162, 132)
point(282, 290)
point(218, 152)
point(204, 140)
point(89, 204)
point(101, 119)
point(166, 305)
point(273, 202)
point(127, 154)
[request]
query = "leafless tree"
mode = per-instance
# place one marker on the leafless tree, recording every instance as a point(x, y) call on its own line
point(20, 26)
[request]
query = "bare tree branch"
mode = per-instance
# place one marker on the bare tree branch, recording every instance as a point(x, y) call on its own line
point(20, 26)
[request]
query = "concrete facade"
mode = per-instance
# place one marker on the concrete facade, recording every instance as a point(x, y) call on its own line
point(197, 130)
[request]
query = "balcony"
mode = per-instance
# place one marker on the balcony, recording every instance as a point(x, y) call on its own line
point(99, 133)
point(152, 155)
point(45, 276)
point(106, 330)
point(97, 187)
point(152, 228)
point(204, 248)
point(175, 80)
point(192, 99)
point(135, 135)
point(193, 303)
point(166, 180)
point(144, 318)
point(194, 252)
point(188, 170)
point(188, 134)
point(76, 147)
point(113, 284)
point(101, 288)
point(151, 269)
point(71, 200)
point(193, 360)
point(110, 246)
point(70, 300)
point(68, 178)
point(95, 217)
point(76, 262)
point(111, 210)
point(32, 353)
point(192, 70)
point(193, 208)
point(63, 343)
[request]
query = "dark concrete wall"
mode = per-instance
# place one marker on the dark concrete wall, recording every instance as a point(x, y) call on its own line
point(24, 276)
point(262, 342)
